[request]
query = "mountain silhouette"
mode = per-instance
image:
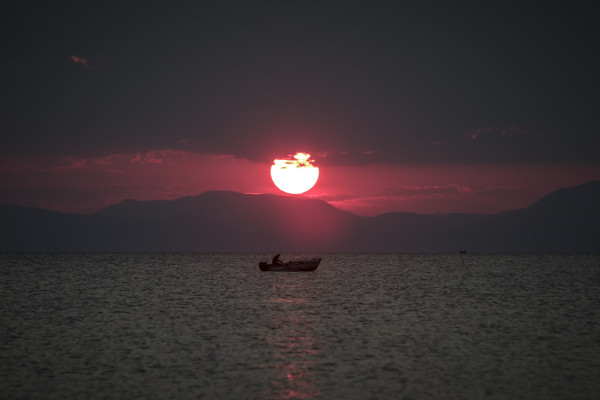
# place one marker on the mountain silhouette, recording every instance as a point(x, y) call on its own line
point(567, 220)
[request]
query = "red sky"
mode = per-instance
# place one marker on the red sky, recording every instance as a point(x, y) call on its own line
point(475, 107)
point(85, 185)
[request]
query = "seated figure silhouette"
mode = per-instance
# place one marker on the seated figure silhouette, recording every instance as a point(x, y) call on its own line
point(276, 260)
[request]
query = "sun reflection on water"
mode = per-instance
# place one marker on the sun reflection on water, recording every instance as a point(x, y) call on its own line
point(294, 346)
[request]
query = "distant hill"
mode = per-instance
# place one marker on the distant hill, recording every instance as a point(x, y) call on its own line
point(567, 220)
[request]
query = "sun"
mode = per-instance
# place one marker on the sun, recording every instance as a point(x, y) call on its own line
point(295, 175)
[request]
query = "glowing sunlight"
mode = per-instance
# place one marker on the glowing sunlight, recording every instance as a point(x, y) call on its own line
point(295, 175)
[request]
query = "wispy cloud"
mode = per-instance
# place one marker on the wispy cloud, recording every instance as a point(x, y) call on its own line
point(436, 190)
point(81, 60)
point(148, 158)
point(343, 157)
point(434, 198)
point(51, 164)
point(55, 182)
point(68, 163)
point(494, 131)
point(332, 198)
point(111, 159)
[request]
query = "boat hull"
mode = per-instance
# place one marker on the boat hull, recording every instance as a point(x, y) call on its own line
point(292, 266)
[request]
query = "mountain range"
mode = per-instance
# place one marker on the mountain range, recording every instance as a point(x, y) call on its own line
point(567, 220)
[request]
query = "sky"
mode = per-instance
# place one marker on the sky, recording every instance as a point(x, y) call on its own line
point(428, 107)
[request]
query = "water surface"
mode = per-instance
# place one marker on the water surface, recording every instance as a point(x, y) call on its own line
point(361, 326)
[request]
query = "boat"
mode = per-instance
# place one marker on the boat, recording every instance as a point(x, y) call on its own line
point(295, 265)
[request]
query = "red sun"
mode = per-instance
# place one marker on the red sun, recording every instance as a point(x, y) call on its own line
point(296, 174)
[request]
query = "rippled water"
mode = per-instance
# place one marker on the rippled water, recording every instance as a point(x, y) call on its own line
point(187, 326)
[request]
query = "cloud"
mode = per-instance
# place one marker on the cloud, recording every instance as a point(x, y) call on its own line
point(436, 190)
point(69, 163)
point(111, 159)
point(98, 182)
point(434, 199)
point(228, 157)
point(150, 157)
point(188, 141)
point(81, 60)
point(493, 131)
point(32, 163)
point(335, 197)
point(345, 157)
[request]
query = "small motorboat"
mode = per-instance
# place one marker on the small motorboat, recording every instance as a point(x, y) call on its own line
point(295, 265)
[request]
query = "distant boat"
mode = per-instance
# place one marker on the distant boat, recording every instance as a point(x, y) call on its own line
point(463, 251)
point(296, 265)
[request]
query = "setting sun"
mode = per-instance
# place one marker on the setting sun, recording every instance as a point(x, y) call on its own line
point(295, 175)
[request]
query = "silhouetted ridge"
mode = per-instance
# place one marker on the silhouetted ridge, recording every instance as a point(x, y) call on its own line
point(579, 199)
point(565, 220)
point(35, 229)
point(223, 203)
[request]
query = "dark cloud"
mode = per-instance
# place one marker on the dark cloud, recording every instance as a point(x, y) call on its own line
point(359, 84)
point(495, 131)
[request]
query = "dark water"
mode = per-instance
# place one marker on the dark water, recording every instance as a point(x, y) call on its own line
point(188, 326)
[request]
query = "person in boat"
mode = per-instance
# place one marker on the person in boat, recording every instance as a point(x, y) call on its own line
point(276, 260)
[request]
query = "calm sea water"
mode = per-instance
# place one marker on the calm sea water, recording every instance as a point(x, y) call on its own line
point(362, 326)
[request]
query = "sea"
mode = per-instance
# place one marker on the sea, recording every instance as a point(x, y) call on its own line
point(362, 326)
